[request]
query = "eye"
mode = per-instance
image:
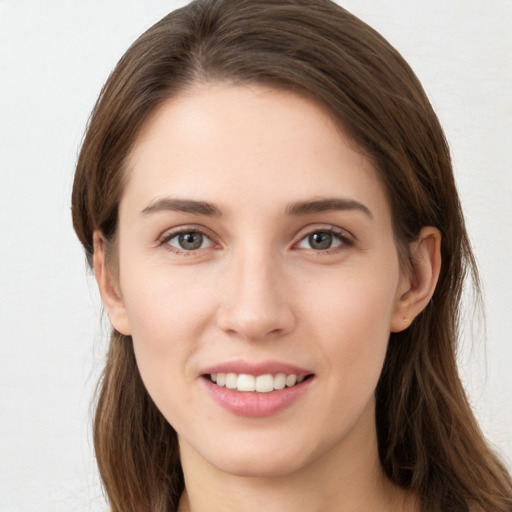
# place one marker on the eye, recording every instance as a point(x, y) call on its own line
point(323, 240)
point(188, 241)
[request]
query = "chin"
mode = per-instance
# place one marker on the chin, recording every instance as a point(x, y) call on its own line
point(261, 459)
point(260, 466)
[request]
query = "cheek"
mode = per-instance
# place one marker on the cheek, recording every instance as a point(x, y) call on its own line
point(167, 315)
point(167, 312)
point(354, 299)
point(351, 319)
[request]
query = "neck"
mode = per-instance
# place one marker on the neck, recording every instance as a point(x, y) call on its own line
point(346, 479)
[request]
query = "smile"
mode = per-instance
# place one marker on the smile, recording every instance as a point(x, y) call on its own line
point(259, 384)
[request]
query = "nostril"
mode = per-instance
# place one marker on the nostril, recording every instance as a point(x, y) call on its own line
point(255, 321)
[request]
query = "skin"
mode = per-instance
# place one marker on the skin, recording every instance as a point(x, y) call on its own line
point(257, 289)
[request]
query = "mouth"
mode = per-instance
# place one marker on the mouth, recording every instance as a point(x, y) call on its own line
point(257, 389)
point(266, 383)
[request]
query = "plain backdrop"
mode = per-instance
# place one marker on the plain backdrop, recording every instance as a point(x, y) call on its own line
point(55, 56)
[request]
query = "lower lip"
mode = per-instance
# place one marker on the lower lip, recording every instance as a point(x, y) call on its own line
point(255, 404)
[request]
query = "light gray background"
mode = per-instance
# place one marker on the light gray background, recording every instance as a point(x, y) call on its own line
point(55, 55)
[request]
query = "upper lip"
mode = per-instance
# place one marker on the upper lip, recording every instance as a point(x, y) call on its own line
point(256, 368)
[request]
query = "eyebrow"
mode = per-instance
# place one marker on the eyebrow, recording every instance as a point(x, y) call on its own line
point(298, 208)
point(170, 204)
point(325, 205)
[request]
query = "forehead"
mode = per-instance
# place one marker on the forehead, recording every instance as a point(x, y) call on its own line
point(241, 146)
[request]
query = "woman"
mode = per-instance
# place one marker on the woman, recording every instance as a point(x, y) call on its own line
point(266, 198)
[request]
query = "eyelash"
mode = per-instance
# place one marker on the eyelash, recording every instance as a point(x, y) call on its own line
point(341, 235)
point(164, 241)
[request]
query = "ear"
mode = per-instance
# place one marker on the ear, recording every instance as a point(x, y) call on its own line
point(417, 289)
point(109, 288)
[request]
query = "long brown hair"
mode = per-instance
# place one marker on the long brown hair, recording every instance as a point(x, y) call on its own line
point(429, 441)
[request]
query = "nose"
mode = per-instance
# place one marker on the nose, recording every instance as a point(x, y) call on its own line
point(256, 304)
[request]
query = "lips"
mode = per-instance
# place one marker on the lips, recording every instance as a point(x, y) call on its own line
point(256, 390)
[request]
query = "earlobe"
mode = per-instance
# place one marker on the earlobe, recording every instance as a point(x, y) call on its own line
point(108, 286)
point(417, 289)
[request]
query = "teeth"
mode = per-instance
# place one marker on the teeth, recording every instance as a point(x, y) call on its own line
point(246, 383)
point(291, 380)
point(264, 383)
point(231, 380)
point(280, 381)
point(261, 383)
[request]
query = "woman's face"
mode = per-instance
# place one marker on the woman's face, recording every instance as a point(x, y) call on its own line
point(255, 245)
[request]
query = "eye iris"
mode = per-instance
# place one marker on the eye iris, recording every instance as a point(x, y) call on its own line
point(190, 241)
point(320, 240)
